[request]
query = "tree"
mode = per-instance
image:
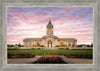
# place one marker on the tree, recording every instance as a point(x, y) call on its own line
point(88, 45)
point(91, 44)
point(10, 45)
point(19, 45)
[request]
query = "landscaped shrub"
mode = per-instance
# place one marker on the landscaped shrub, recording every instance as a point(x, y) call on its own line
point(57, 46)
point(62, 48)
point(9, 55)
point(39, 48)
point(33, 48)
point(79, 56)
point(67, 48)
point(26, 56)
point(16, 55)
point(42, 46)
point(36, 46)
point(49, 59)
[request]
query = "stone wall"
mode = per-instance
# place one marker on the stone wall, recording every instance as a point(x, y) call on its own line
point(55, 42)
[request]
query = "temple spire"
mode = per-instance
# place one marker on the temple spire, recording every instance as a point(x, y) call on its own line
point(49, 24)
point(49, 19)
point(50, 28)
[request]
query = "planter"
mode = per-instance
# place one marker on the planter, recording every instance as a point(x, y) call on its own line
point(49, 60)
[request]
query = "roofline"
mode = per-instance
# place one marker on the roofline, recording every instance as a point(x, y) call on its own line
point(67, 38)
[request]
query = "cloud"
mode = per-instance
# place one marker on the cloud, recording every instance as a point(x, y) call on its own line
point(68, 22)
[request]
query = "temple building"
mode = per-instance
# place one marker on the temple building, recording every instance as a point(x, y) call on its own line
point(50, 40)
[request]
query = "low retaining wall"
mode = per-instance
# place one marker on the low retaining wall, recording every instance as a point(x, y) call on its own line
point(80, 48)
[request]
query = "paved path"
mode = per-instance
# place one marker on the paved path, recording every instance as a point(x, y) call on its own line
point(22, 60)
point(77, 60)
point(31, 60)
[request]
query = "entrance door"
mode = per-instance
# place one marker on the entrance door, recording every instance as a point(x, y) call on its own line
point(49, 43)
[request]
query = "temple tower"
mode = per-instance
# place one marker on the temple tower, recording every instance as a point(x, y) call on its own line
point(50, 29)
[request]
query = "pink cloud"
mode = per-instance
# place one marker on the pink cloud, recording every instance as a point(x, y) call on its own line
point(72, 8)
point(35, 26)
point(19, 12)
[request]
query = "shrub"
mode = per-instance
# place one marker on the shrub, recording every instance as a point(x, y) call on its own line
point(24, 55)
point(39, 48)
point(33, 48)
point(57, 46)
point(62, 48)
point(42, 46)
point(67, 48)
point(36, 46)
point(78, 56)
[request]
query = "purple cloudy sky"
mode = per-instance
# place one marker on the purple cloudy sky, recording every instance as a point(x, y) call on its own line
point(30, 22)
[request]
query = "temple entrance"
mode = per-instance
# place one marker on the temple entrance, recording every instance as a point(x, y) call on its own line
point(61, 43)
point(49, 43)
point(37, 43)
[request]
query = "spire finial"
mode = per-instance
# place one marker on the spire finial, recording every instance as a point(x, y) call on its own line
point(49, 22)
point(49, 19)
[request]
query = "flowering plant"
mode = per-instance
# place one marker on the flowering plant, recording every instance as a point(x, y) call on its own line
point(8, 52)
point(49, 59)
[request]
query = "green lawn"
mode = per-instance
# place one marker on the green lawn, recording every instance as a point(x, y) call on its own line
point(52, 52)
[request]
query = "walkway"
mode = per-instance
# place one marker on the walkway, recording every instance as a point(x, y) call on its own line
point(31, 60)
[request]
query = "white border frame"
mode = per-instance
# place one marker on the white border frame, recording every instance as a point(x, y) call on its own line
point(48, 3)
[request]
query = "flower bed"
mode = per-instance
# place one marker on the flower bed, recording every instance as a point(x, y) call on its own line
point(79, 56)
point(15, 55)
point(64, 48)
point(49, 59)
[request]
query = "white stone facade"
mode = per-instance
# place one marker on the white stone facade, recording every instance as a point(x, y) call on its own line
point(49, 40)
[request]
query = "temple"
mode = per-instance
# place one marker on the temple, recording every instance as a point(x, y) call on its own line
point(50, 40)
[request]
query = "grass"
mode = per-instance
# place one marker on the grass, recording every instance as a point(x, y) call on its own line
point(52, 52)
